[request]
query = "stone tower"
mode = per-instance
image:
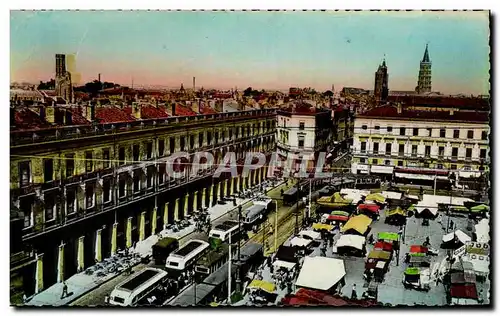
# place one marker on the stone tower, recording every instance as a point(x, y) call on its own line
point(424, 75)
point(381, 90)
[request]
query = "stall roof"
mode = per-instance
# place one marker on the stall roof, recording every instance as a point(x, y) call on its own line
point(379, 254)
point(359, 223)
point(388, 236)
point(286, 253)
point(463, 291)
point(377, 197)
point(300, 242)
point(480, 264)
point(310, 233)
point(463, 277)
point(291, 191)
point(418, 249)
point(382, 245)
point(320, 273)
point(462, 237)
point(483, 230)
point(320, 226)
point(187, 297)
point(284, 264)
point(262, 285)
point(396, 211)
point(391, 195)
point(373, 208)
point(354, 241)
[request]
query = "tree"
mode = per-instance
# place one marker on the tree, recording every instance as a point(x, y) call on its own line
point(247, 92)
point(328, 93)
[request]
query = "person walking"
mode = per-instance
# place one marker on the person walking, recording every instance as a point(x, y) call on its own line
point(354, 295)
point(65, 290)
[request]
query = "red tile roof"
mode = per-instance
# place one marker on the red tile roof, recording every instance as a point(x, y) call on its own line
point(302, 108)
point(391, 112)
point(27, 119)
point(442, 101)
point(77, 117)
point(181, 110)
point(112, 115)
point(207, 110)
point(148, 112)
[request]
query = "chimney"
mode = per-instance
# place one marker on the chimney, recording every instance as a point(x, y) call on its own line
point(136, 110)
point(99, 77)
point(219, 106)
point(199, 105)
point(195, 106)
point(400, 108)
point(90, 112)
point(49, 114)
point(194, 84)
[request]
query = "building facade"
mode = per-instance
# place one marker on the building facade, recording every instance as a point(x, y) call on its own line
point(64, 87)
point(414, 146)
point(80, 193)
point(303, 131)
point(424, 84)
point(381, 90)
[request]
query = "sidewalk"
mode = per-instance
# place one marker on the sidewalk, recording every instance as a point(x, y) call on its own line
point(81, 283)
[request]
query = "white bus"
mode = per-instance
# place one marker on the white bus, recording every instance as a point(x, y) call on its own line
point(222, 231)
point(254, 213)
point(187, 255)
point(137, 287)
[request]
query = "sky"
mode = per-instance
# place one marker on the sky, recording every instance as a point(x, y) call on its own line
point(264, 50)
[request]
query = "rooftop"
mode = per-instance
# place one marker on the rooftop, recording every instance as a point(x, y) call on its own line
point(441, 101)
point(112, 115)
point(391, 112)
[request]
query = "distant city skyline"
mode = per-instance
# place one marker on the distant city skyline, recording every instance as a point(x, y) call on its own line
point(264, 50)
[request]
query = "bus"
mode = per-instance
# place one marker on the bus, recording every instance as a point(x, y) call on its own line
point(136, 289)
point(253, 214)
point(213, 260)
point(226, 229)
point(163, 248)
point(185, 257)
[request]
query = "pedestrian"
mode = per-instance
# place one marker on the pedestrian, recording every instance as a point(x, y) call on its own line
point(64, 291)
point(25, 298)
point(106, 299)
point(354, 295)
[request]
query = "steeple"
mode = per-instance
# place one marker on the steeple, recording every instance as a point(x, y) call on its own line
point(426, 58)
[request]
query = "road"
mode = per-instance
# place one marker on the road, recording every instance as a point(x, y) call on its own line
point(96, 297)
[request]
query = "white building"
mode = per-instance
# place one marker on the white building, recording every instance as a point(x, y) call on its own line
point(419, 145)
point(303, 130)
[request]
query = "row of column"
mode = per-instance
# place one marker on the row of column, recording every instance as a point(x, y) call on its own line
point(228, 187)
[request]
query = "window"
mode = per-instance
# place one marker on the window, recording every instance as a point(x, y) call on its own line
point(482, 153)
point(121, 155)
point(183, 143)
point(135, 153)
point(48, 170)
point(454, 152)
point(161, 147)
point(302, 126)
point(191, 141)
point(415, 132)
point(70, 165)
point(440, 166)
point(426, 165)
point(137, 182)
point(429, 132)
point(375, 162)
point(70, 201)
point(363, 147)
point(456, 133)
point(387, 162)
point(375, 148)
point(26, 206)
point(106, 190)
point(389, 129)
point(427, 151)
point(89, 163)
point(149, 179)
point(301, 141)
point(414, 149)
point(89, 196)
point(467, 168)
point(377, 127)
point(401, 149)
point(468, 152)
point(470, 134)
point(171, 142)
point(388, 148)
point(149, 150)
point(50, 205)
point(216, 137)
point(362, 160)
point(453, 167)
point(442, 133)
point(209, 138)
point(364, 127)
point(200, 139)
point(230, 133)
point(122, 185)
point(400, 163)
point(441, 151)
point(402, 131)
point(105, 158)
point(484, 135)
point(161, 173)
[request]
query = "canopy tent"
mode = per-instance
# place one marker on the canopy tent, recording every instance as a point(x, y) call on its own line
point(300, 242)
point(358, 223)
point(480, 264)
point(391, 195)
point(418, 249)
point(379, 254)
point(397, 211)
point(354, 241)
point(377, 197)
point(340, 213)
point(320, 226)
point(382, 245)
point(309, 234)
point(262, 285)
point(412, 207)
point(286, 253)
point(320, 273)
point(388, 236)
point(412, 197)
point(463, 291)
point(480, 208)
point(338, 218)
point(284, 264)
point(463, 277)
point(462, 237)
point(426, 211)
point(373, 208)
point(448, 237)
point(336, 200)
